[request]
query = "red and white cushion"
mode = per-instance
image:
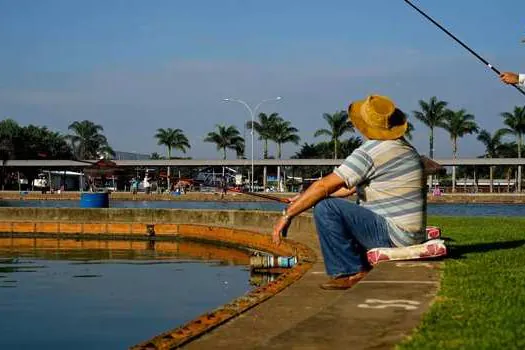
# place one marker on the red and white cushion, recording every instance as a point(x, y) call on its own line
point(433, 232)
point(431, 249)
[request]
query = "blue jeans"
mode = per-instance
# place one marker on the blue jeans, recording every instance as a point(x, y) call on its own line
point(346, 231)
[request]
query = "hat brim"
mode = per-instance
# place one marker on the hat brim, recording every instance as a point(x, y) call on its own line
point(372, 132)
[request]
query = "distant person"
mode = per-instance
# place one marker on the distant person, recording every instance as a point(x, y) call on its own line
point(134, 185)
point(224, 187)
point(389, 177)
point(91, 185)
point(146, 183)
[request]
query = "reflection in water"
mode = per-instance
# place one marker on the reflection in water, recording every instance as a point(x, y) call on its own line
point(108, 251)
point(85, 294)
point(258, 279)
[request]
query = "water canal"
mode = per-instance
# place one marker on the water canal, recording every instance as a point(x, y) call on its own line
point(435, 209)
point(81, 294)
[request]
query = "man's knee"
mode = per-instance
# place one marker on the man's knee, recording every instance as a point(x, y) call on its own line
point(336, 206)
point(323, 207)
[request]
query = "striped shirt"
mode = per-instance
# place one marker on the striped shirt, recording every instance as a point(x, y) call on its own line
point(390, 182)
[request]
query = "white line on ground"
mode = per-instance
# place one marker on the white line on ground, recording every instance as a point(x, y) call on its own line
point(383, 304)
point(415, 265)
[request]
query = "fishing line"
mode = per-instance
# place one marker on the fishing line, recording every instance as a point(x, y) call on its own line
point(494, 69)
point(260, 195)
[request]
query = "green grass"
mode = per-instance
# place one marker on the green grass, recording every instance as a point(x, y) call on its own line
point(481, 303)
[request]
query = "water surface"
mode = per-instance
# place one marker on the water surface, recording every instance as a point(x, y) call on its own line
point(67, 294)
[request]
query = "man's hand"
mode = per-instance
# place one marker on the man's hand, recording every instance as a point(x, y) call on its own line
point(294, 198)
point(281, 226)
point(509, 78)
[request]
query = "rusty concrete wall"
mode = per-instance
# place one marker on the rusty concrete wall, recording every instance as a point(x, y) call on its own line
point(228, 226)
point(257, 220)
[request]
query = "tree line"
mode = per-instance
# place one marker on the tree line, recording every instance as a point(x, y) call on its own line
point(269, 128)
point(432, 113)
point(458, 123)
point(86, 139)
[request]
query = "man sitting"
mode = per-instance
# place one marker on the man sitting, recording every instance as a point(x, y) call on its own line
point(387, 174)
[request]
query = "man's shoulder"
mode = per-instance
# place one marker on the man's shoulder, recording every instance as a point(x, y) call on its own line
point(368, 145)
point(372, 146)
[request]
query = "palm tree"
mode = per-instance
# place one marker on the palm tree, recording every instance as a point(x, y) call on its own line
point(492, 143)
point(56, 145)
point(283, 132)
point(172, 139)
point(224, 137)
point(307, 151)
point(432, 115)
point(410, 129)
point(240, 148)
point(87, 140)
point(458, 124)
point(348, 146)
point(508, 150)
point(516, 126)
point(492, 148)
point(338, 126)
point(264, 128)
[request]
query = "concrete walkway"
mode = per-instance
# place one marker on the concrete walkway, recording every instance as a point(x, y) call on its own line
point(377, 313)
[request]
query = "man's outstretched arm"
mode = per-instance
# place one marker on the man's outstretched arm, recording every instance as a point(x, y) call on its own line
point(317, 191)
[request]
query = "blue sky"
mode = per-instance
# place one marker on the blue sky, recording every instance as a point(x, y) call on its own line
point(135, 66)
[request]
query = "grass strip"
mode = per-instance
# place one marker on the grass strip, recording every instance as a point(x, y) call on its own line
point(481, 303)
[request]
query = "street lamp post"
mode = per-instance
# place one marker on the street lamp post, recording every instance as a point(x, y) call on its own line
point(252, 112)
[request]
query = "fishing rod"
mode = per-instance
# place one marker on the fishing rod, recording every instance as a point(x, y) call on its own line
point(261, 195)
point(494, 69)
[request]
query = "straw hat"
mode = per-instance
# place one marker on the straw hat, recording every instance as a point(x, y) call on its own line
point(377, 118)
